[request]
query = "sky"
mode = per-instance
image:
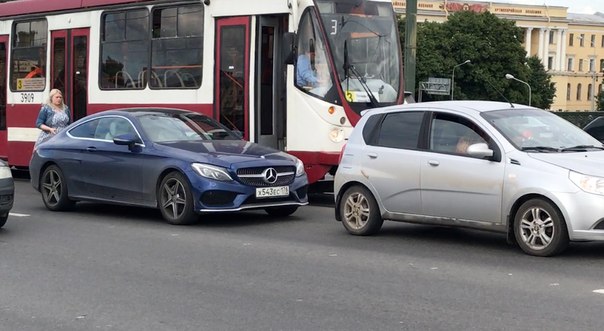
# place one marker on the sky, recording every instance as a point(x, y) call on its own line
point(574, 6)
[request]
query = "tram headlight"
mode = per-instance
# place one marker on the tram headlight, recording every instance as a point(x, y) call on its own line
point(336, 135)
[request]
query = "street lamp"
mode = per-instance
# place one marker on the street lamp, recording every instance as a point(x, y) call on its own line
point(510, 76)
point(453, 76)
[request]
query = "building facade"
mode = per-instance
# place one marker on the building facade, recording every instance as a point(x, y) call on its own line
point(570, 46)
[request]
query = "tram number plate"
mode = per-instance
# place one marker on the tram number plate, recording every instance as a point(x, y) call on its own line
point(269, 192)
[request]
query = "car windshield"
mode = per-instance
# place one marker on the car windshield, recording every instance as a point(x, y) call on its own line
point(535, 130)
point(163, 127)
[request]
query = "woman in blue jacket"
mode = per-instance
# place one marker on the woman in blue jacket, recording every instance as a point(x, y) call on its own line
point(53, 116)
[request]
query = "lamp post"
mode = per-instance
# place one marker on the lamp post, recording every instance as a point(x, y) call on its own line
point(510, 76)
point(453, 76)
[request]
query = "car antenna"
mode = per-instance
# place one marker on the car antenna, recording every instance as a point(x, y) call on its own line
point(498, 91)
point(501, 94)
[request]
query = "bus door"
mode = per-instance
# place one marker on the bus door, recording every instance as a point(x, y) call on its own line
point(270, 83)
point(231, 102)
point(3, 87)
point(69, 68)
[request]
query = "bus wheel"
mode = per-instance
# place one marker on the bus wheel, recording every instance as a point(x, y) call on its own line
point(176, 200)
point(54, 189)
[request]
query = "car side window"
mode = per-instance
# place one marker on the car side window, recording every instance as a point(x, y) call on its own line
point(453, 134)
point(117, 126)
point(85, 130)
point(400, 130)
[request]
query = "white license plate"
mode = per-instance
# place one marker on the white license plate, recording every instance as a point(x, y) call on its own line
point(268, 192)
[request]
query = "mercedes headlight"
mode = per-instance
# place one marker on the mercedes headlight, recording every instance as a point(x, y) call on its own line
point(299, 168)
point(589, 184)
point(211, 172)
point(5, 172)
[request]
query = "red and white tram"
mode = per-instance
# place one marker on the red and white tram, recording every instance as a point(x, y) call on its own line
point(293, 75)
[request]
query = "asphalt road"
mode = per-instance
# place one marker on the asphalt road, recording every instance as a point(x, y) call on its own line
point(117, 268)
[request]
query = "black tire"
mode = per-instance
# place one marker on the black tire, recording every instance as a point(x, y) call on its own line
point(282, 211)
point(540, 229)
point(54, 189)
point(176, 200)
point(359, 212)
point(3, 220)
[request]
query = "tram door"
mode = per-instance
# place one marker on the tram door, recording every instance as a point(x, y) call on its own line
point(270, 83)
point(69, 68)
point(231, 105)
point(3, 80)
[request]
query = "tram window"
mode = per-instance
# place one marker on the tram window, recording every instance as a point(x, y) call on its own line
point(176, 48)
point(124, 49)
point(28, 58)
point(312, 67)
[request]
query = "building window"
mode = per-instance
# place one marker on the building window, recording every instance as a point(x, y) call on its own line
point(569, 65)
point(580, 65)
point(589, 90)
point(571, 39)
point(579, 92)
point(582, 40)
point(567, 91)
point(551, 36)
point(601, 65)
point(550, 62)
point(602, 42)
point(592, 65)
point(593, 41)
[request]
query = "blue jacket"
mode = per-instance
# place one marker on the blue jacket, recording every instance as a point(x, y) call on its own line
point(46, 114)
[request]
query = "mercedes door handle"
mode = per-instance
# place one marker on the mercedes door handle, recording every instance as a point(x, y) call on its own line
point(434, 163)
point(91, 149)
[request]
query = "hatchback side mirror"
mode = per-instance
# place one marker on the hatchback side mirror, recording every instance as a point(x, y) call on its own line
point(480, 150)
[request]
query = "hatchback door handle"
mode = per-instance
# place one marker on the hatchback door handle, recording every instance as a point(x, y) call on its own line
point(433, 163)
point(372, 155)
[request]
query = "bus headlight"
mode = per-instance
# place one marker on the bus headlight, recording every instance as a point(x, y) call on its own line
point(336, 135)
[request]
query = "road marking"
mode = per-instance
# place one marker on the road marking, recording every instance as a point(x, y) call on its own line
point(600, 291)
point(19, 215)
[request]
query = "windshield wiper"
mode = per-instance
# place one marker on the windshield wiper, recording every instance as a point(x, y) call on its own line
point(542, 149)
point(581, 148)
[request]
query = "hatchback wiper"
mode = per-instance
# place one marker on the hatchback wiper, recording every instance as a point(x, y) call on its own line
point(543, 149)
point(581, 148)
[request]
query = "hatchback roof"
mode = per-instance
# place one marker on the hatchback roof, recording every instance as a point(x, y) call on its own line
point(458, 105)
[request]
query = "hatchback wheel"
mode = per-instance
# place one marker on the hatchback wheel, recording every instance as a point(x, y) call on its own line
point(3, 220)
point(281, 211)
point(54, 189)
point(359, 212)
point(176, 200)
point(540, 229)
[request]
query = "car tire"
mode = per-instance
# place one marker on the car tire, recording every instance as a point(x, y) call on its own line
point(281, 211)
point(3, 220)
point(359, 212)
point(540, 229)
point(175, 200)
point(54, 189)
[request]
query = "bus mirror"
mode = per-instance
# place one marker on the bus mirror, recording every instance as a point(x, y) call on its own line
point(287, 48)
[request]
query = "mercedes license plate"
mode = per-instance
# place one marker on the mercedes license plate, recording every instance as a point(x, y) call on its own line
point(269, 192)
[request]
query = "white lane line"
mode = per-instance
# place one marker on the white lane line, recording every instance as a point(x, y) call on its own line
point(19, 215)
point(600, 291)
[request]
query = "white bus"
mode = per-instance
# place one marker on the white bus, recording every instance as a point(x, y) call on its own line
point(291, 74)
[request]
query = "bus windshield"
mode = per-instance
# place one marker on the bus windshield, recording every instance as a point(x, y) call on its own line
point(363, 38)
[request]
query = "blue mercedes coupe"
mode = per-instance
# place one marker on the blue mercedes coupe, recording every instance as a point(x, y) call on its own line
point(181, 162)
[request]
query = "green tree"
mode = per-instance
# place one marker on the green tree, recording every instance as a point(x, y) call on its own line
point(494, 47)
point(600, 101)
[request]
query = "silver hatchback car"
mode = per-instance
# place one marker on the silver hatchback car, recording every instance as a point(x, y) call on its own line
point(485, 165)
